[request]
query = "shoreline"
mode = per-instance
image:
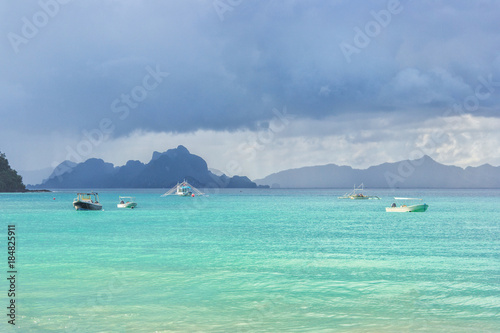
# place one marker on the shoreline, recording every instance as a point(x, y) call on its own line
point(27, 191)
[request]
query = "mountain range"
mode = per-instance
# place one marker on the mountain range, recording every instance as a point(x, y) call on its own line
point(419, 173)
point(174, 165)
point(164, 170)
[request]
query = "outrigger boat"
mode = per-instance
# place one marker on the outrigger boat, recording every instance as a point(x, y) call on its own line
point(126, 202)
point(407, 208)
point(183, 189)
point(357, 194)
point(87, 201)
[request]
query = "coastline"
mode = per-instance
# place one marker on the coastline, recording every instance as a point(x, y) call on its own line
point(27, 191)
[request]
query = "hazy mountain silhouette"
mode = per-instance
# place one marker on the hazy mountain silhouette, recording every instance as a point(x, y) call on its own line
point(164, 170)
point(420, 173)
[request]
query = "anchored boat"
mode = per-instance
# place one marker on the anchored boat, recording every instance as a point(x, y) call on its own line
point(357, 194)
point(408, 206)
point(183, 189)
point(87, 201)
point(126, 202)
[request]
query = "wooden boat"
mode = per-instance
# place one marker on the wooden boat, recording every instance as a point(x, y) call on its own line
point(357, 194)
point(183, 189)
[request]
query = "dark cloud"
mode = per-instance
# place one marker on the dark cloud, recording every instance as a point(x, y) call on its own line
point(227, 71)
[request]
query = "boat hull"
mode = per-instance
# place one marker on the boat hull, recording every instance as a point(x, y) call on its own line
point(356, 197)
point(82, 205)
point(130, 205)
point(408, 209)
point(364, 197)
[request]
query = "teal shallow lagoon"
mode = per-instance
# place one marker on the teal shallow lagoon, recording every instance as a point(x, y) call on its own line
point(256, 261)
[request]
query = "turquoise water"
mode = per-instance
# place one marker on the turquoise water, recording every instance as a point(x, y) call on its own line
point(255, 261)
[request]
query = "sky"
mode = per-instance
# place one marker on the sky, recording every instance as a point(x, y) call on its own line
point(253, 87)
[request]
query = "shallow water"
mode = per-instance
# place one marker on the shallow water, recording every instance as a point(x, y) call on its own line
point(255, 261)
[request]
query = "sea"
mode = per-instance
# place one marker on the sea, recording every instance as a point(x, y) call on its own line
point(252, 260)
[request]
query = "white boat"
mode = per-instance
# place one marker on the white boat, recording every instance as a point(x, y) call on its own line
point(87, 201)
point(357, 194)
point(407, 207)
point(183, 189)
point(126, 202)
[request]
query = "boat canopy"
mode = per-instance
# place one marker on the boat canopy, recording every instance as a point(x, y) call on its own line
point(87, 196)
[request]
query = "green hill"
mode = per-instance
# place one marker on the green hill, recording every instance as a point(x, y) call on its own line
point(10, 181)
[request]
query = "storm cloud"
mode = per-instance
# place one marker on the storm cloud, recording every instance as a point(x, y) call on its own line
point(223, 66)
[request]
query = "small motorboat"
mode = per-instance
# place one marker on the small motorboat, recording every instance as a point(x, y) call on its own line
point(126, 202)
point(407, 208)
point(87, 201)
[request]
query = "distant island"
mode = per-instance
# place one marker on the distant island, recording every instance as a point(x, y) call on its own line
point(419, 173)
point(163, 171)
